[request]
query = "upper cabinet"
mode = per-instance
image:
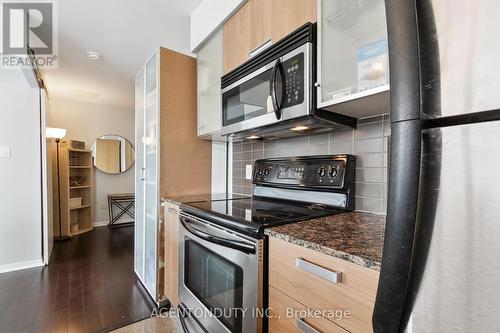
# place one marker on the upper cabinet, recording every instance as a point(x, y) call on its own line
point(260, 23)
point(288, 15)
point(209, 68)
point(353, 62)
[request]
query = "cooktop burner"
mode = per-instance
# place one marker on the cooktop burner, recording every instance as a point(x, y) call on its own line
point(253, 215)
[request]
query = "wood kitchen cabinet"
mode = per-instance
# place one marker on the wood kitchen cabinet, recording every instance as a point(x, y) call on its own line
point(298, 279)
point(288, 15)
point(237, 42)
point(291, 319)
point(171, 248)
point(259, 23)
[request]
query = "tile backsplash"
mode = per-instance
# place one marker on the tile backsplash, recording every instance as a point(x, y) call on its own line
point(369, 143)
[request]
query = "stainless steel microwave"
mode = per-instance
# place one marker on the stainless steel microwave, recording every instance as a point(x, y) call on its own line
point(275, 90)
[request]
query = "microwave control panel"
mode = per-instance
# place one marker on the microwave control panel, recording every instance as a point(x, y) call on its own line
point(294, 80)
point(329, 172)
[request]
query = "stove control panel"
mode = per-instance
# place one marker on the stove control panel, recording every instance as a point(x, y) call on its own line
point(333, 171)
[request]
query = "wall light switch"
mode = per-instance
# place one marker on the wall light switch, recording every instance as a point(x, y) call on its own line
point(248, 171)
point(4, 152)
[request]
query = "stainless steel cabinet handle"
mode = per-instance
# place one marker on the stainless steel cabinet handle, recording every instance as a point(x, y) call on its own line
point(334, 277)
point(143, 174)
point(305, 327)
point(317, 84)
point(260, 48)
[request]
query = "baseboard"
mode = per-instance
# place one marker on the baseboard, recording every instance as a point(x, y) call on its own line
point(105, 223)
point(21, 265)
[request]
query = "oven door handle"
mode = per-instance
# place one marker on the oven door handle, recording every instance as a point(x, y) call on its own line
point(277, 70)
point(231, 243)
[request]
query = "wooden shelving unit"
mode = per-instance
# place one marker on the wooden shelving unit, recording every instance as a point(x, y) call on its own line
point(73, 163)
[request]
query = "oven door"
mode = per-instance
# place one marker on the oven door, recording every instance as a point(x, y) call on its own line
point(220, 278)
point(280, 90)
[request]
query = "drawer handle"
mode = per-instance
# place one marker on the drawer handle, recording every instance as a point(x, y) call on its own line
point(305, 327)
point(260, 48)
point(334, 277)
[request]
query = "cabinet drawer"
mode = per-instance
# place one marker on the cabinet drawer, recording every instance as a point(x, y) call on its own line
point(171, 252)
point(309, 277)
point(288, 315)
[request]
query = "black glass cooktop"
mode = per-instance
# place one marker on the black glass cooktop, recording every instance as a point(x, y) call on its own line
point(252, 215)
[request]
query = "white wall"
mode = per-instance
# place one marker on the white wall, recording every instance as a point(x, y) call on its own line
point(208, 16)
point(20, 175)
point(218, 167)
point(87, 122)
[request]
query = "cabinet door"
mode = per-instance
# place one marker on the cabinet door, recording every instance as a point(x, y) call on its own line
point(260, 23)
point(209, 67)
point(261, 26)
point(151, 177)
point(297, 272)
point(288, 15)
point(352, 51)
point(246, 32)
point(237, 38)
point(172, 252)
point(287, 316)
point(139, 174)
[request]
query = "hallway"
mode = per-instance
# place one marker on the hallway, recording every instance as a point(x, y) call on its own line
point(89, 286)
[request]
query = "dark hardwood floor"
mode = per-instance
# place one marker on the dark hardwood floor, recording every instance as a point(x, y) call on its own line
point(89, 286)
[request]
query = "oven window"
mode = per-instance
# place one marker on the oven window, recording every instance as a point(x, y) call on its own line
point(248, 100)
point(216, 282)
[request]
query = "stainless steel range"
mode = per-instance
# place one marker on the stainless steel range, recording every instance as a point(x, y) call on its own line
point(223, 250)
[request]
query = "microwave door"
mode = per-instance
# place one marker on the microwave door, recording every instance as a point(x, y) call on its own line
point(253, 97)
point(247, 103)
point(279, 91)
point(248, 99)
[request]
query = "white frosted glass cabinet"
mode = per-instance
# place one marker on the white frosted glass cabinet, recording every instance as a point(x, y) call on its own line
point(352, 57)
point(146, 184)
point(209, 68)
point(166, 142)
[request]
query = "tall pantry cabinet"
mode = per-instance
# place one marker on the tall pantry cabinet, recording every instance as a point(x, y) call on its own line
point(170, 158)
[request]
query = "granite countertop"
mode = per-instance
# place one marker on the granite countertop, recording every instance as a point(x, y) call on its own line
point(356, 237)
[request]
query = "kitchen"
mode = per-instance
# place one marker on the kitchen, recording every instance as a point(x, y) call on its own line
point(317, 164)
point(290, 166)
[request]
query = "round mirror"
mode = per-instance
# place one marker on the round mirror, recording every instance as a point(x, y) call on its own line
point(113, 154)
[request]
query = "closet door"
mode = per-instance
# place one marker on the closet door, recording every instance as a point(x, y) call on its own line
point(140, 168)
point(151, 203)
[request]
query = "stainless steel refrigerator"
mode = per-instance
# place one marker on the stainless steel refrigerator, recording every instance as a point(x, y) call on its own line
point(441, 261)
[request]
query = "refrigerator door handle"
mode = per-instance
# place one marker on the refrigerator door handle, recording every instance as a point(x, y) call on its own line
point(404, 166)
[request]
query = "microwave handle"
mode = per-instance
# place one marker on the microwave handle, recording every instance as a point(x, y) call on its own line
point(277, 70)
point(233, 244)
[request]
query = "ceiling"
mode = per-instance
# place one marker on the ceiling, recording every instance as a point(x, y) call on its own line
point(125, 33)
